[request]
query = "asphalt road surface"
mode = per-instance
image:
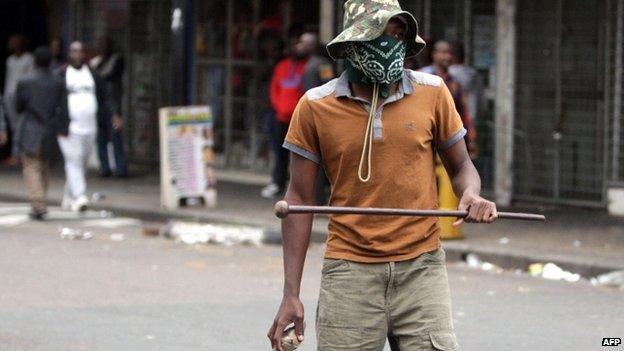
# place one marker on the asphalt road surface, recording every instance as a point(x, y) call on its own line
point(133, 292)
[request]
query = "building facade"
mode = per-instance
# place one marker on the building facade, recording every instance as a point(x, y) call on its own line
point(551, 131)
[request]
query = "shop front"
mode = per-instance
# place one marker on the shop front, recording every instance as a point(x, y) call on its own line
point(238, 42)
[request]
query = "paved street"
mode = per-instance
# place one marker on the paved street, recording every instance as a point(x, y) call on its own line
point(151, 293)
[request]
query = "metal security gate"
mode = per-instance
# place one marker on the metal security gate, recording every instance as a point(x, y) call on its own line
point(561, 110)
point(232, 70)
point(615, 97)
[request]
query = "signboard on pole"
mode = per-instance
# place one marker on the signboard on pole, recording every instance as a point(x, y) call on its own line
point(186, 157)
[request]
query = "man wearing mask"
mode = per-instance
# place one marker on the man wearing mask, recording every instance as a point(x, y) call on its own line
point(285, 91)
point(88, 108)
point(375, 130)
point(38, 99)
point(18, 65)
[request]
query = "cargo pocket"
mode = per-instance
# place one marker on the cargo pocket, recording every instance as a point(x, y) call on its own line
point(338, 338)
point(445, 341)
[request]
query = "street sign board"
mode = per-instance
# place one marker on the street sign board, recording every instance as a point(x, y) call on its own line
point(187, 157)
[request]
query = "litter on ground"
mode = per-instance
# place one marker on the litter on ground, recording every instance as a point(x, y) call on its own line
point(198, 233)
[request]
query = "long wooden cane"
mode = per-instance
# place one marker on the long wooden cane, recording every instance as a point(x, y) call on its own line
point(283, 209)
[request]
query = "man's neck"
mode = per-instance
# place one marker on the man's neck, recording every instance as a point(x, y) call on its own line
point(440, 68)
point(77, 66)
point(366, 91)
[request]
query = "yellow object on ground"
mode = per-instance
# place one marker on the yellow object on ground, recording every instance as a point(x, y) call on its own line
point(447, 201)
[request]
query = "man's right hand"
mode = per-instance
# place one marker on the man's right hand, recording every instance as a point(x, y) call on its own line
point(290, 311)
point(3, 138)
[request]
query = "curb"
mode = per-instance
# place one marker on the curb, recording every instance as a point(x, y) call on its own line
point(456, 250)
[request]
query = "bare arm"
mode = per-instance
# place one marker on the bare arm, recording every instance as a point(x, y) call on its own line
point(296, 238)
point(467, 185)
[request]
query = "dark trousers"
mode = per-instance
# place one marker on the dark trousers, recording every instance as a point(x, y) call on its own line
point(280, 170)
point(116, 138)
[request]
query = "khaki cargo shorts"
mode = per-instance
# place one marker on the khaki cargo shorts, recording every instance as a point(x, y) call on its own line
point(363, 304)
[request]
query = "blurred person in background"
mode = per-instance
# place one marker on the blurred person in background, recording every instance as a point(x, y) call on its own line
point(285, 91)
point(110, 66)
point(319, 71)
point(442, 59)
point(3, 126)
point(89, 110)
point(58, 55)
point(271, 48)
point(470, 81)
point(18, 65)
point(38, 99)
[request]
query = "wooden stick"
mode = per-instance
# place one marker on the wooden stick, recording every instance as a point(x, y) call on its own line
point(283, 209)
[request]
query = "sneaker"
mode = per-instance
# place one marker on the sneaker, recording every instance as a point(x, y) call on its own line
point(80, 205)
point(270, 191)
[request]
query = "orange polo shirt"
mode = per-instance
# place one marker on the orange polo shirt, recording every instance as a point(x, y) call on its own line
point(328, 127)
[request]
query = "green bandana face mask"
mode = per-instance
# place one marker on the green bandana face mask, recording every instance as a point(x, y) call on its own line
point(377, 61)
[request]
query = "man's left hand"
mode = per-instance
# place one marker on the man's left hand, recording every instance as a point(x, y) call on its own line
point(117, 122)
point(479, 209)
point(3, 138)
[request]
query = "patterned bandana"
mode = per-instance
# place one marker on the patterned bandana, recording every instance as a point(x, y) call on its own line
point(377, 61)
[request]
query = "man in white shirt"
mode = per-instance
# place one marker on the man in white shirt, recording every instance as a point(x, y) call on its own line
point(18, 65)
point(87, 106)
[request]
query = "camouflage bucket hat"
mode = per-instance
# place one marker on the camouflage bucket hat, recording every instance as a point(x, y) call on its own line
point(366, 20)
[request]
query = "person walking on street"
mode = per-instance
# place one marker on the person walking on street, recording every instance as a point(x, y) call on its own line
point(470, 82)
point(3, 127)
point(285, 91)
point(110, 67)
point(18, 65)
point(88, 108)
point(442, 57)
point(375, 130)
point(38, 99)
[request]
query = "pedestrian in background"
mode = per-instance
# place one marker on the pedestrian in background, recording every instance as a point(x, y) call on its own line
point(285, 91)
point(38, 99)
point(58, 55)
point(470, 82)
point(442, 59)
point(88, 108)
point(110, 66)
point(270, 49)
point(319, 71)
point(3, 126)
point(18, 65)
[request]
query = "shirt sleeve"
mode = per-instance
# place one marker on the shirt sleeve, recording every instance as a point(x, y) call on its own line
point(302, 137)
point(449, 128)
